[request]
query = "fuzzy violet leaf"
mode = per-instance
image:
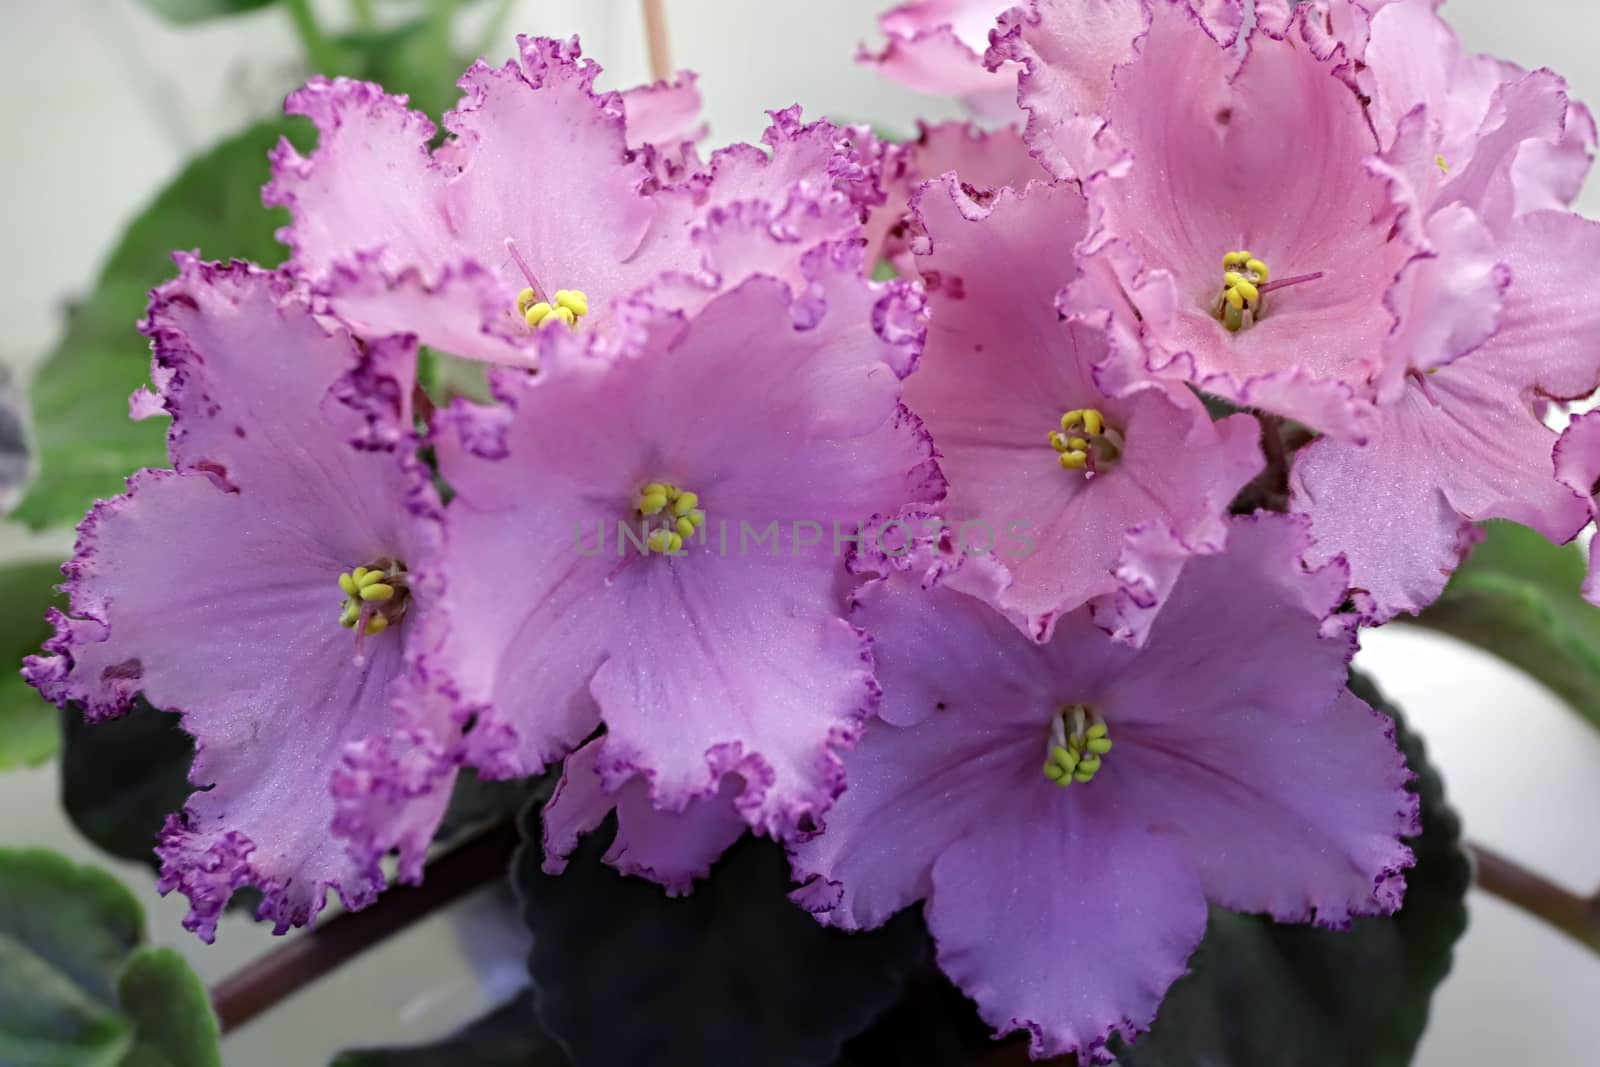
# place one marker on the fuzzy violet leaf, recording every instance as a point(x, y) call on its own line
point(1260, 992)
point(86, 443)
point(28, 733)
point(509, 1036)
point(77, 987)
point(794, 991)
point(120, 779)
point(1518, 597)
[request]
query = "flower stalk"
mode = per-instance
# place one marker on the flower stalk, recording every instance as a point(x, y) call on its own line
point(1575, 916)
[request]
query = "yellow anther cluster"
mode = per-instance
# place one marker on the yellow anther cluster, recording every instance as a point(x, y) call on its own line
point(1242, 276)
point(1442, 163)
point(1075, 749)
point(570, 306)
point(1085, 440)
point(368, 586)
point(678, 511)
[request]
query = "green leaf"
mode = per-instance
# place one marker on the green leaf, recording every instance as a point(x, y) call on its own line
point(200, 10)
point(408, 58)
point(121, 778)
point(624, 975)
point(508, 1037)
point(28, 731)
point(1259, 993)
point(86, 443)
point(174, 1025)
point(64, 932)
point(1518, 597)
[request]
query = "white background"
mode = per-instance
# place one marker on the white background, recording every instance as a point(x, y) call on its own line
point(104, 101)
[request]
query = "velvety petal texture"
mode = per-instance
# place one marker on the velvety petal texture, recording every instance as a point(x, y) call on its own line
point(543, 183)
point(1261, 151)
point(1002, 370)
point(213, 590)
point(780, 411)
point(1467, 441)
point(1241, 772)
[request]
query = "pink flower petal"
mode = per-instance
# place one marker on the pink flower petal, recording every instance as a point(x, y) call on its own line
point(211, 590)
point(999, 371)
point(665, 112)
point(673, 849)
point(1577, 459)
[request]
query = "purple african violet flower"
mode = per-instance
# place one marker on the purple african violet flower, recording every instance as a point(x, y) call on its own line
point(542, 207)
point(1479, 157)
point(1067, 811)
point(940, 46)
point(267, 590)
point(1082, 494)
point(706, 654)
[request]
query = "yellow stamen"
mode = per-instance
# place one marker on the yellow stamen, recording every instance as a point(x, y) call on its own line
point(1442, 163)
point(676, 512)
point(1078, 740)
point(566, 306)
point(1085, 442)
point(1242, 277)
point(380, 593)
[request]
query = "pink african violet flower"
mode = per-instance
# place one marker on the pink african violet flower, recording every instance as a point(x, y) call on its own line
point(1241, 220)
point(1223, 763)
point(725, 657)
point(1083, 495)
point(543, 185)
point(215, 589)
point(939, 46)
point(1492, 325)
point(1577, 458)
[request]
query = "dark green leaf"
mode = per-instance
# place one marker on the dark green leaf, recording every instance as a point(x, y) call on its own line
point(476, 804)
point(624, 975)
point(64, 932)
point(28, 731)
point(509, 1037)
point(1517, 596)
point(120, 779)
point(174, 1025)
point(200, 10)
point(1261, 994)
point(86, 443)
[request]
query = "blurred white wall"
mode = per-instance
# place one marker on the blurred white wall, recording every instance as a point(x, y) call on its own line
point(103, 103)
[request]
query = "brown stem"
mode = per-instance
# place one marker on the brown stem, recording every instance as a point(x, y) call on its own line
point(289, 969)
point(655, 33)
point(1538, 896)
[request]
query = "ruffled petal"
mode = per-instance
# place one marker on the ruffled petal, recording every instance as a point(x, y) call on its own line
point(1577, 459)
point(371, 186)
point(1192, 114)
point(1066, 922)
point(211, 589)
point(937, 46)
point(664, 113)
point(999, 371)
point(1300, 818)
point(731, 659)
point(1068, 51)
point(1466, 443)
point(672, 849)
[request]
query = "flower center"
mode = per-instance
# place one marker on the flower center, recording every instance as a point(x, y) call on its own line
point(1245, 284)
point(671, 515)
point(570, 305)
point(564, 305)
point(1087, 442)
point(1242, 277)
point(1078, 738)
point(374, 597)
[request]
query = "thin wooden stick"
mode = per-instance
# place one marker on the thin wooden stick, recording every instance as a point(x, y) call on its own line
point(655, 35)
